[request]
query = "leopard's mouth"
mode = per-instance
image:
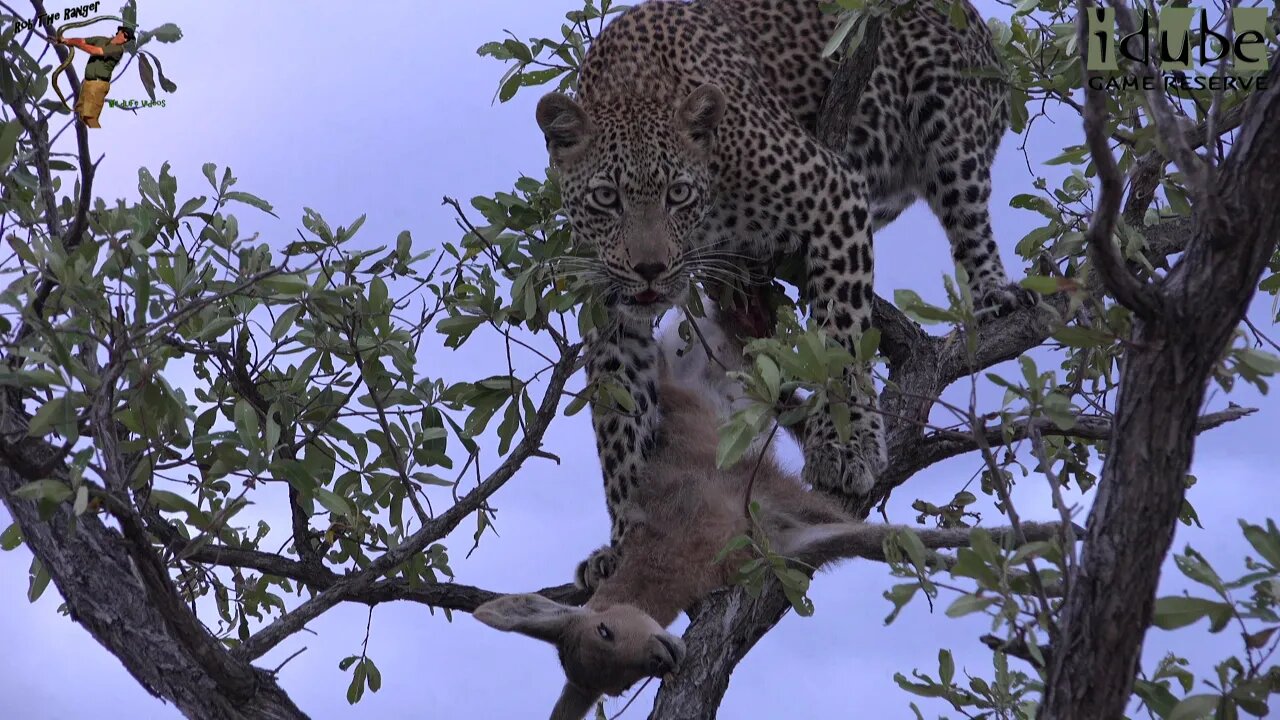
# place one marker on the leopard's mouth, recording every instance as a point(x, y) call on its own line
point(647, 297)
point(651, 301)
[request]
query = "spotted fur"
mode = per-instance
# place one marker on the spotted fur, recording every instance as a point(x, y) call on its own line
point(690, 153)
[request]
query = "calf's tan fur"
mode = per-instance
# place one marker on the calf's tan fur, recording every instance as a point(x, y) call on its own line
point(686, 511)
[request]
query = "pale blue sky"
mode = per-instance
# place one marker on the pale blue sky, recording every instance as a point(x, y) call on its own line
point(384, 109)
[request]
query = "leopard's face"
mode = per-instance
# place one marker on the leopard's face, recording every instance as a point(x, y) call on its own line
point(638, 184)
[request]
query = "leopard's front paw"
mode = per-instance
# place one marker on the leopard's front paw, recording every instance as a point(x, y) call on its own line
point(1002, 300)
point(596, 569)
point(848, 469)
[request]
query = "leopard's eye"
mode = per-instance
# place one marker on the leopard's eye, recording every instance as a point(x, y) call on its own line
point(605, 197)
point(679, 193)
point(604, 632)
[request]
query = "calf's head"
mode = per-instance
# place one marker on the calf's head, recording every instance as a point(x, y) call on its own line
point(603, 651)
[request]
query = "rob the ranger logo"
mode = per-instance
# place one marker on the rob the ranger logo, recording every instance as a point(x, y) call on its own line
point(1246, 49)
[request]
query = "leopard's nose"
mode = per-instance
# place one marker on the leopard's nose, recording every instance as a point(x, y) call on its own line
point(649, 270)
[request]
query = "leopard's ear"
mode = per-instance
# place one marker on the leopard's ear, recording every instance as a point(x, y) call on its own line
point(564, 124)
point(700, 114)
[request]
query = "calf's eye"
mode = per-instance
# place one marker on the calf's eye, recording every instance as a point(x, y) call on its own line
point(604, 632)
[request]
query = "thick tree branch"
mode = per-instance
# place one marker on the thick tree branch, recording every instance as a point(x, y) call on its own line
point(1127, 289)
point(449, 596)
point(1162, 385)
point(111, 595)
point(938, 446)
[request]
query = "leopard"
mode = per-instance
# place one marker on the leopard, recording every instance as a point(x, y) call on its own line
point(690, 152)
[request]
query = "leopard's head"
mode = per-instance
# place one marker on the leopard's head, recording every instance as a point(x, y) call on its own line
point(637, 178)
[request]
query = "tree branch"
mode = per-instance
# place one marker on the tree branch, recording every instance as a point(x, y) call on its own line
point(1127, 289)
point(119, 593)
point(438, 527)
point(1162, 385)
point(938, 446)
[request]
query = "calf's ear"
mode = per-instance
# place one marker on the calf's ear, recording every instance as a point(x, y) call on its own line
point(527, 614)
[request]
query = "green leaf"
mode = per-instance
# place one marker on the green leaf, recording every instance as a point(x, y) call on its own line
point(171, 502)
point(868, 344)
point(920, 311)
point(1174, 612)
point(770, 375)
point(899, 595)
point(1195, 707)
point(966, 604)
point(1156, 696)
point(1074, 154)
point(287, 284)
point(167, 33)
point(39, 580)
point(9, 133)
point(247, 423)
point(739, 542)
point(1082, 337)
point(148, 76)
point(1253, 641)
point(576, 404)
point(1266, 542)
point(377, 294)
point(1026, 6)
point(334, 503)
point(946, 666)
point(1194, 566)
point(47, 489)
point(1040, 284)
point(190, 206)
point(1262, 362)
point(252, 200)
point(57, 414)
point(620, 396)
point(912, 545)
point(970, 564)
point(355, 690)
point(216, 327)
point(734, 441)
point(165, 83)
point(285, 322)
point(458, 324)
point(509, 88)
point(930, 690)
point(11, 537)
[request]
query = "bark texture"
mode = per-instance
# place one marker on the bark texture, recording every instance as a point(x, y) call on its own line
point(1162, 385)
point(104, 588)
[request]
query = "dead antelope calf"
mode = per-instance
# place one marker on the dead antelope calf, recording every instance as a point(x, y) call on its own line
point(687, 511)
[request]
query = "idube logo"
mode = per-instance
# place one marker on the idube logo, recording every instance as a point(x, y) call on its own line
point(1174, 48)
